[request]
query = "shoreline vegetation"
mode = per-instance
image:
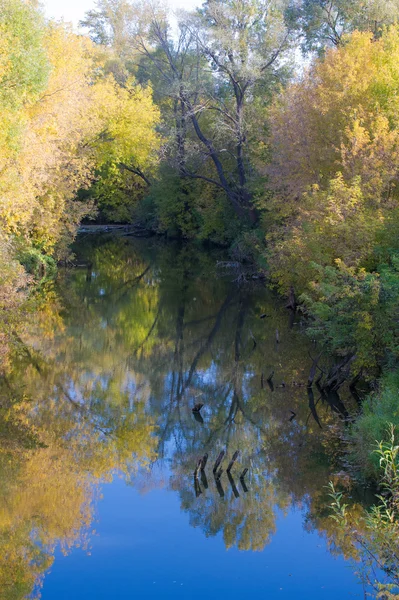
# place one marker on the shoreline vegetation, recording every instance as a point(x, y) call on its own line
point(210, 131)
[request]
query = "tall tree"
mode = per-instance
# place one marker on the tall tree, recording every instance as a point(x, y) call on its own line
point(212, 71)
point(245, 44)
point(324, 23)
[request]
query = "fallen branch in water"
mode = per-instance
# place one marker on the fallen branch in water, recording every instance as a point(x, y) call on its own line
point(233, 486)
point(245, 471)
point(218, 461)
point(204, 460)
point(313, 369)
point(197, 468)
point(228, 264)
point(339, 374)
point(233, 460)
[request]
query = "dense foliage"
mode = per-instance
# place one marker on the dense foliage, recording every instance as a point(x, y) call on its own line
point(204, 129)
point(335, 236)
point(64, 122)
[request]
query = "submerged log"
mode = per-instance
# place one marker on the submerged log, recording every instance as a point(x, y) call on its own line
point(197, 488)
point(198, 417)
point(201, 464)
point(355, 380)
point(353, 390)
point(312, 407)
point(339, 374)
point(337, 405)
point(219, 487)
point(253, 339)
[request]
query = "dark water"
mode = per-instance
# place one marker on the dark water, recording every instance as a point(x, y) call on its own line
point(99, 443)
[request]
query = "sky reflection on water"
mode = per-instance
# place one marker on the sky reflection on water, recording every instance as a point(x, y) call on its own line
point(118, 353)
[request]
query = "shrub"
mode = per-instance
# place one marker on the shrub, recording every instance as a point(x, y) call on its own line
point(380, 408)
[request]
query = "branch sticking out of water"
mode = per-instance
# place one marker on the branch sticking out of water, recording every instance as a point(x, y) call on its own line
point(204, 460)
point(218, 461)
point(233, 460)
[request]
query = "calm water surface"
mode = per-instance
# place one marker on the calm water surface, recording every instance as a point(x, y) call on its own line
point(98, 450)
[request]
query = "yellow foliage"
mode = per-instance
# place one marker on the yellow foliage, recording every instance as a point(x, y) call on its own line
point(78, 122)
point(342, 116)
point(335, 138)
point(129, 117)
point(61, 121)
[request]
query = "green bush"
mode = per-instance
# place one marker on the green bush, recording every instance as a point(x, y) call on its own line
point(37, 264)
point(355, 312)
point(379, 409)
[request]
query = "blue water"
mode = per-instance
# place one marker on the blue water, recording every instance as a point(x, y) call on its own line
point(122, 349)
point(145, 548)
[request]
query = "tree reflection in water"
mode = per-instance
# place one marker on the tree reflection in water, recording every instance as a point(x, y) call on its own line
point(108, 369)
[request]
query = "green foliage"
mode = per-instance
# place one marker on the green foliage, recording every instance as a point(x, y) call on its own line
point(333, 233)
point(325, 23)
point(381, 407)
point(188, 208)
point(341, 117)
point(125, 149)
point(355, 312)
point(13, 283)
point(116, 193)
point(174, 200)
point(24, 65)
point(375, 534)
point(36, 263)
point(339, 224)
point(63, 118)
point(212, 79)
point(248, 247)
point(108, 23)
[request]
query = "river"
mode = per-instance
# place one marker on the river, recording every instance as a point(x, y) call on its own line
point(99, 443)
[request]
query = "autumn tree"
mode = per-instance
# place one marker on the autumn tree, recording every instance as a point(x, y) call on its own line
point(66, 125)
point(334, 178)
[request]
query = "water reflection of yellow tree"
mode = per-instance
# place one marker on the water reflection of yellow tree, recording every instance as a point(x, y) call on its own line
point(171, 335)
point(191, 337)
